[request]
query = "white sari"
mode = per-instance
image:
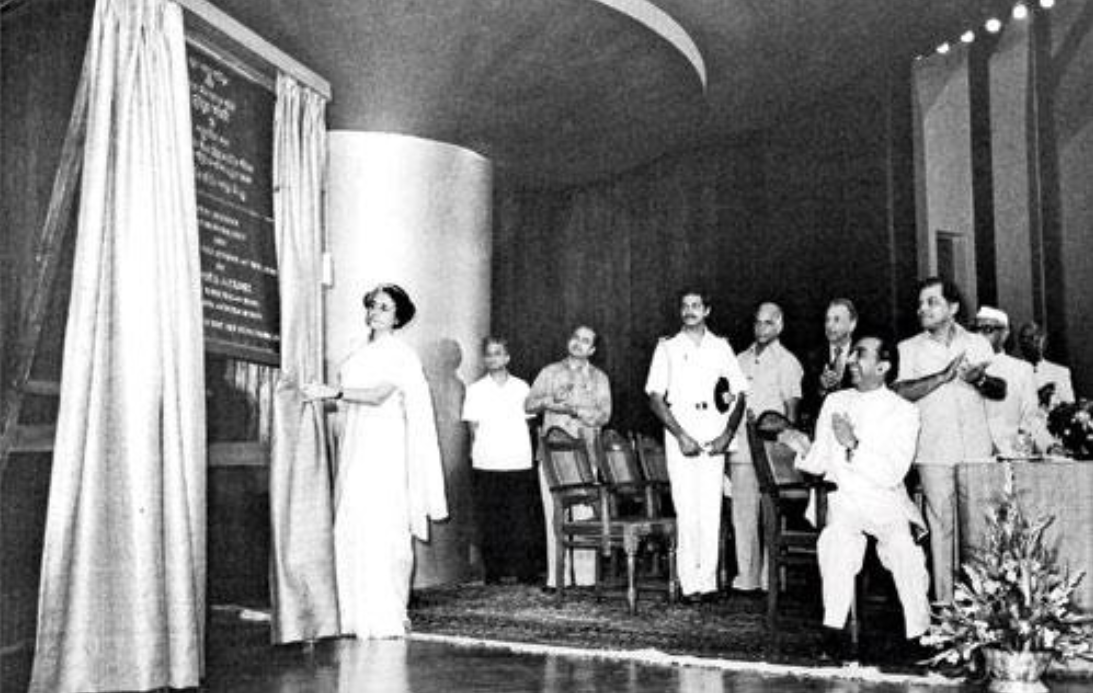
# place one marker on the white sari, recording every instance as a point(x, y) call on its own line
point(389, 483)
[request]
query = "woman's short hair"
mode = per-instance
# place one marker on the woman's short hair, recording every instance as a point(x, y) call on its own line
point(404, 307)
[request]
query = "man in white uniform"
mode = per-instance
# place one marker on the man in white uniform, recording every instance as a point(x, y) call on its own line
point(865, 443)
point(686, 372)
point(774, 384)
point(1016, 422)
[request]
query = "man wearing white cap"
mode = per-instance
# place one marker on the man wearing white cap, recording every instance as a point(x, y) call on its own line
point(1016, 421)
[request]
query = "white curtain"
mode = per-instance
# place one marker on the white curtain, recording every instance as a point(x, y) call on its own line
point(302, 580)
point(122, 597)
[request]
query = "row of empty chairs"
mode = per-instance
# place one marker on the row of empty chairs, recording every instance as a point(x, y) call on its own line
point(628, 490)
point(626, 499)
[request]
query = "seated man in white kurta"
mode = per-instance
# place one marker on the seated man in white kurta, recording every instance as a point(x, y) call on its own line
point(865, 443)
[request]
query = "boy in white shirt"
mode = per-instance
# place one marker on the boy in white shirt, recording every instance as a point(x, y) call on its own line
point(504, 483)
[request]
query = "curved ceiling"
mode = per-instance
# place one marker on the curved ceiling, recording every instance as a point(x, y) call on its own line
point(559, 92)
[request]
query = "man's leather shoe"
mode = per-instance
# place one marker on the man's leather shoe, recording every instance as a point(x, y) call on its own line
point(693, 599)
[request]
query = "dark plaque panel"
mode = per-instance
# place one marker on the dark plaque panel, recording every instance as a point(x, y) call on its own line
point(233, 165)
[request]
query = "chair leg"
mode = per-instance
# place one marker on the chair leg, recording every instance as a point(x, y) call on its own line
point(673, 577)
point(597, 574)
point(559, 567)
point(630, 544)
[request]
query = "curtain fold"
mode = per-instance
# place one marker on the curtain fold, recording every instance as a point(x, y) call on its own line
point(122, 596)
point(302, 578)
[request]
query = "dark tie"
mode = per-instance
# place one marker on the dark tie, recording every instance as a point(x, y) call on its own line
point(835, 358)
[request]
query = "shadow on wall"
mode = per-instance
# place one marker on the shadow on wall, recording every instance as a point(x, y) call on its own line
point(447, 557)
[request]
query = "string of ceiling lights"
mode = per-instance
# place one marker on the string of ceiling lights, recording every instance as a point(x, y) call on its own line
point(993, 25)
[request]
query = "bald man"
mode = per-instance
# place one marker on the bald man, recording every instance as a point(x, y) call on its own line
point(774, 384)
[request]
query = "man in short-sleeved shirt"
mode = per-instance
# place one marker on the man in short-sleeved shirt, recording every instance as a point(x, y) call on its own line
point(575, 396)
point(943, 371)
point(502, 469)
point(774, 384)
point(696, 389)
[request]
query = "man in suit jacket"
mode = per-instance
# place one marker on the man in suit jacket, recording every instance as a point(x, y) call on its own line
point(825, 368)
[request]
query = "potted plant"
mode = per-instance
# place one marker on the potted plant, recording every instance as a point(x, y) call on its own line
point(1013, 612)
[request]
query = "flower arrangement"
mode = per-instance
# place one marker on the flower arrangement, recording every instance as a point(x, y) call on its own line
point(1013, 597)
point(1072, 424)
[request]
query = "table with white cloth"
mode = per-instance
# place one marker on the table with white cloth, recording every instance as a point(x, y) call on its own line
point(1053, 487)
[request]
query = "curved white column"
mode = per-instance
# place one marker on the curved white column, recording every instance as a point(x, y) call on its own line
point(417, 213)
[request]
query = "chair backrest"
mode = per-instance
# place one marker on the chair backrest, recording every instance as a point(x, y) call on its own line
point(651, 456)
point(565, 460)
point(773, 460)
point(619, 464)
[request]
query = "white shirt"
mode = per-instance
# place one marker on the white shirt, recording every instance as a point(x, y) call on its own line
point(501, 441)
point(1048, 372)
point(870, 481)
point(774, 377)
point(954, 415)
point(1020, 410)
point(686, 372)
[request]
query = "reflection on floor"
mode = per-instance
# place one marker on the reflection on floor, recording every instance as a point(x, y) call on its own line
point(240, 660)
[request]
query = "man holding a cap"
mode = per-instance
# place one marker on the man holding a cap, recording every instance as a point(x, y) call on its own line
point(686, 372)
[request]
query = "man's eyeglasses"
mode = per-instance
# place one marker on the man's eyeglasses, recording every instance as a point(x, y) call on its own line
point(988, 329)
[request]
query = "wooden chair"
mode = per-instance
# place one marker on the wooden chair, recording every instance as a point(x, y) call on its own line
point(654, 467)
point(569, 475)
point(624, 477)
point(782, 485)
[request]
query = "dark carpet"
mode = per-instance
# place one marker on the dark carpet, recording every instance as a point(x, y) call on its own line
point(731, 627)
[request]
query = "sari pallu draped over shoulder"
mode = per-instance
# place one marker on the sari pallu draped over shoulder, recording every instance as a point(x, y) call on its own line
point(424, 468)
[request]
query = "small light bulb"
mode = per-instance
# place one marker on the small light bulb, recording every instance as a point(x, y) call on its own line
point(1047, 4)
point(993, 25)
point(1020, 11)
point(943, 48)
point(967, 37)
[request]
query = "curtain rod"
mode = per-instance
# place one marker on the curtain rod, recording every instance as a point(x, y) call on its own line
point(257, 45)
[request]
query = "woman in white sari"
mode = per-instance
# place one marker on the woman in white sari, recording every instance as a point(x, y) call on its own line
point(390, 481)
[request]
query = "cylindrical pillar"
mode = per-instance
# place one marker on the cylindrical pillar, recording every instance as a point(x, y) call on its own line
point(417, 212)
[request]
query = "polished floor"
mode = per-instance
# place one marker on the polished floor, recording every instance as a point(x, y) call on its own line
point(398, 666)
